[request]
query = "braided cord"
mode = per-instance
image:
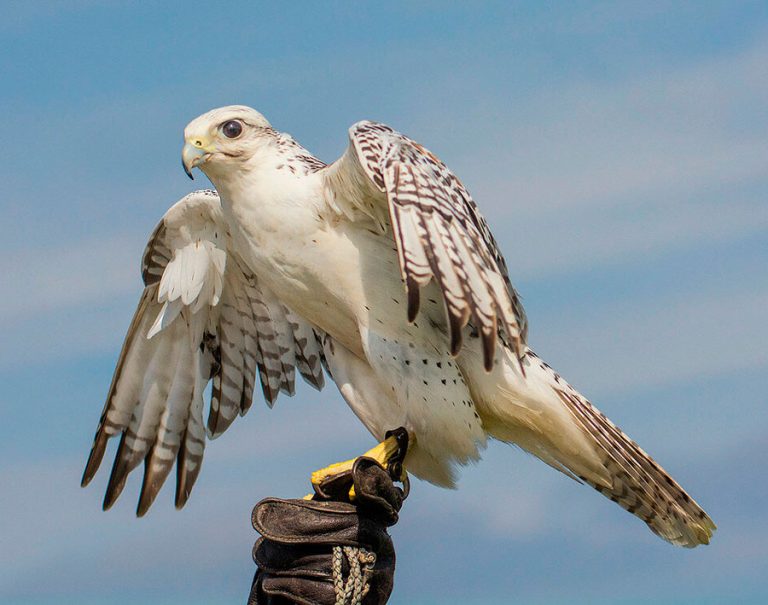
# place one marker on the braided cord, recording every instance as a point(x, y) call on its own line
point(361, 562)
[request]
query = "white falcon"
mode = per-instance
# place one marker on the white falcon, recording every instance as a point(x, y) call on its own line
point(380, 268)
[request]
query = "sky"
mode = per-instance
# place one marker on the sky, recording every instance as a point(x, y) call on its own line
point(618, 150)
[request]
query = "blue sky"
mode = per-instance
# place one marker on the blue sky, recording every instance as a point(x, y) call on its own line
point(620, 153)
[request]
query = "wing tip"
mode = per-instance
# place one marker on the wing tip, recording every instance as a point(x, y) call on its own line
point(95, 457)
point(217, 424)
point(489, 349)
point(318, 382)
point(183, 490)
point(143, 506)
point(185, 477)
point(117, 477)
point(155, 473)
point(114, 489)
point(414, 299)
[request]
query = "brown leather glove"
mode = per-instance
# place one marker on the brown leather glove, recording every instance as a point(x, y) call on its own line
point(315, 551)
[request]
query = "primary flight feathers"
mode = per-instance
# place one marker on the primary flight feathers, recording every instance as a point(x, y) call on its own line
point(200, 318)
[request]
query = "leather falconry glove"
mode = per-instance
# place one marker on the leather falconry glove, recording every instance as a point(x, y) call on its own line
point(328, 550)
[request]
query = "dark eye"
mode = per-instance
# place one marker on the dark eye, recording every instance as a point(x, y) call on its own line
point(232, 129)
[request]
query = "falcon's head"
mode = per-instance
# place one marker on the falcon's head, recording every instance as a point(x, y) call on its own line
point(223, 137)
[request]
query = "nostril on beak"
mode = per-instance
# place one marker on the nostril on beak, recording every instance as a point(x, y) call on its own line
point(198, 143)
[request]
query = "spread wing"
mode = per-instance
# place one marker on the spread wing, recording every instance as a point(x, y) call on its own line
point(202, 317)
point(440, 233)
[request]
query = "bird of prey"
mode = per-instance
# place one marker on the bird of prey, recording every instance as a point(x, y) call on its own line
point(377, 269)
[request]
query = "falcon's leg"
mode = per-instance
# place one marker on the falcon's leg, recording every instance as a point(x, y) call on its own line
point(390, 454)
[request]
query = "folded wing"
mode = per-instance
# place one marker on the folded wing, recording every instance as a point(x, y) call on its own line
point(439, 232)
point(202, 317)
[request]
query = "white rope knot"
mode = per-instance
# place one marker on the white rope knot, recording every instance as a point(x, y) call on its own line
point(361, 562)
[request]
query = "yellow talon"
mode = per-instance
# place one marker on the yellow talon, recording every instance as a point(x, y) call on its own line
point(382, 453)
point(389, 454)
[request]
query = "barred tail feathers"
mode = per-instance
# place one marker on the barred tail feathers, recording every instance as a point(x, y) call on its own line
point(551, 420)
point(638, 483)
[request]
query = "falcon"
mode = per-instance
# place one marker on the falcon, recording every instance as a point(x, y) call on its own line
point(377, 270)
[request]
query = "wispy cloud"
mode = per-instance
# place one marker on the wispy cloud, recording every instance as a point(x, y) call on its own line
point(668, 340)
point(72, 299)
point(601, 171)
point(546, 245)
point(673, 132)
point(597, 175)
point(89, 272)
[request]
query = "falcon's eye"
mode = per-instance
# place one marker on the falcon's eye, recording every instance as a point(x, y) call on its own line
point(232, 129)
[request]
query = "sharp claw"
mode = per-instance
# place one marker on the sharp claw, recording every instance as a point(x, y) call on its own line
point(395, 469)
point(402, 438)
point(406, 484)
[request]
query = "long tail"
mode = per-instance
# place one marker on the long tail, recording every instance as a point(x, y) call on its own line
point(549, 418)
point(637, 482)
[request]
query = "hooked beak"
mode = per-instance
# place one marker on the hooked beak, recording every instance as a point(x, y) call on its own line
point(194, 154)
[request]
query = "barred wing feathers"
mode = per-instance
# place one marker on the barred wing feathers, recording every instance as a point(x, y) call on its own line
point(202, 317)
point(439, 232)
